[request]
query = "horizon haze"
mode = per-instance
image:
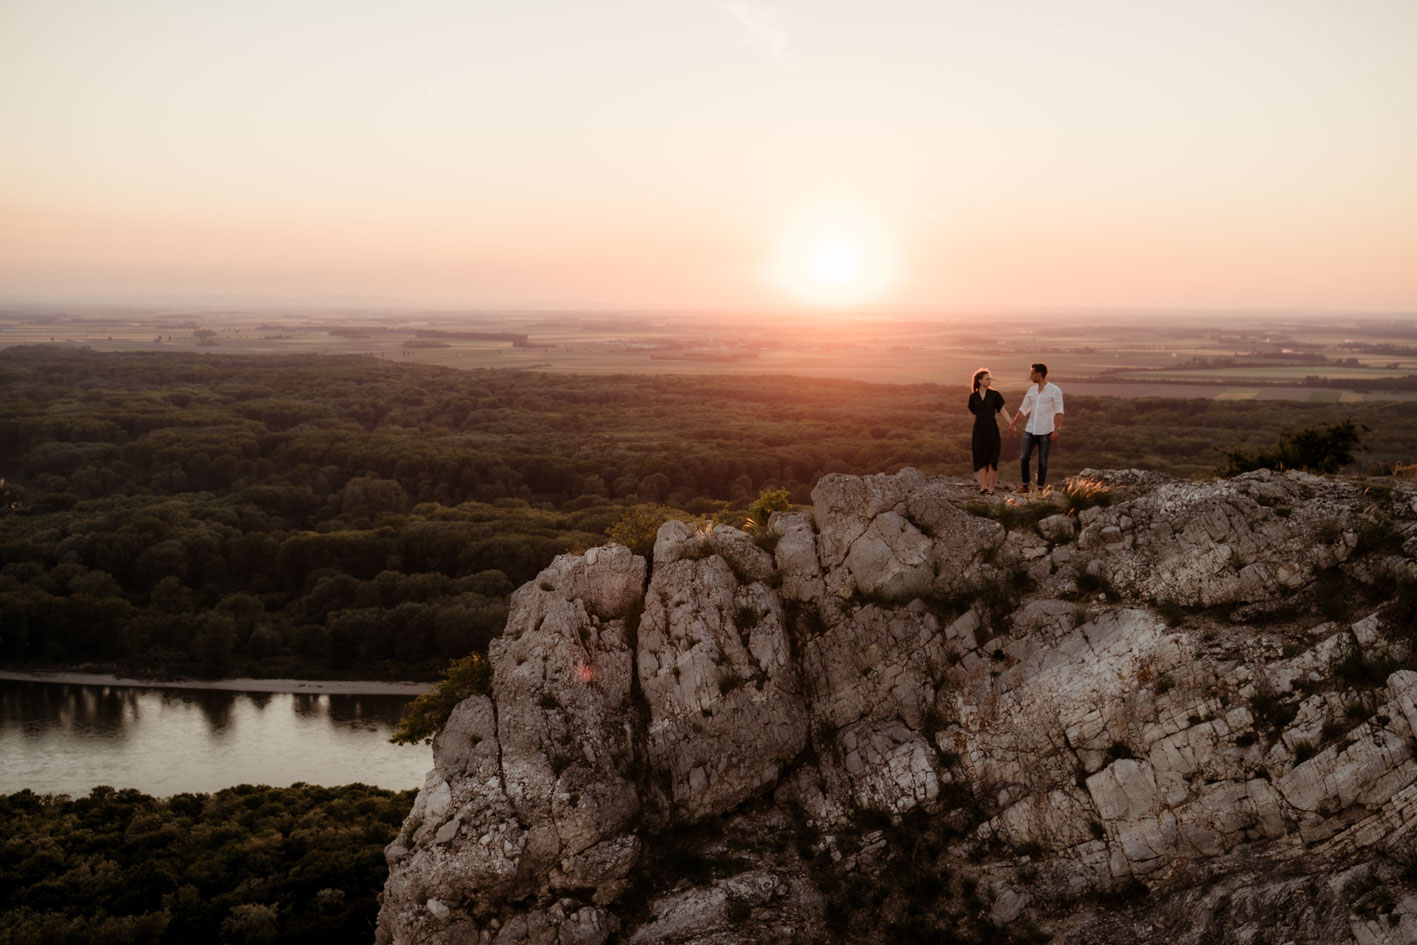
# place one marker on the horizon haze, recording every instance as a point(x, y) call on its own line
point(714, 154)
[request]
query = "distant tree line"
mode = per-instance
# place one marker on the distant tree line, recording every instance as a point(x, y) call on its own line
point(250, 865)
point(518, 339)
point(318, 516)
point(1406, 382)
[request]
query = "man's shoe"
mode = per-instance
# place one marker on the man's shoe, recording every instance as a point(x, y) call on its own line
point(1022, 490)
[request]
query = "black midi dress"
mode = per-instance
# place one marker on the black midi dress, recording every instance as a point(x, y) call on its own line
point(986, 442)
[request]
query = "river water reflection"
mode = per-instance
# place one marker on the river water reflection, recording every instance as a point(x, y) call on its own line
point(60, 738)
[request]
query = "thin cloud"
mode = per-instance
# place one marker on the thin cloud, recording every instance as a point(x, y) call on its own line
point(764, 23)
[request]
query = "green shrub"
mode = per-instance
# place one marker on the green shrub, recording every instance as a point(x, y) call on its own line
point(1332, 596)
point(1402, 609)
point(1333, 729)
point(1089, 583)
point(425, 716)
point(1325, 450)
point(1014, 515)
point(1328, 531)
point(1269, 707)
point(765, 539)
point(1362, 670)
point(1000, 595)
point(1404, 857)
point(728, 680)
point(1376, 533)
point(767, 502)
point(637, 528)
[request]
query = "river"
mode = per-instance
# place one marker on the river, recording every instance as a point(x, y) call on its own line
point(63, 738)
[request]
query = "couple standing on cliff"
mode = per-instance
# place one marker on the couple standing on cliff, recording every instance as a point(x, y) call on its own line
point(1042, 405)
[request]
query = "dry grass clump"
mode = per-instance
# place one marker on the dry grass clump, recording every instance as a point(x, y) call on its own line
point(1081, 492)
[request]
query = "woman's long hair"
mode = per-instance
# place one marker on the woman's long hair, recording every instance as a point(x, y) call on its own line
point(977, 375)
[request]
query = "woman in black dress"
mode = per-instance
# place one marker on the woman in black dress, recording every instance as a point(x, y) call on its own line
point(986, 403)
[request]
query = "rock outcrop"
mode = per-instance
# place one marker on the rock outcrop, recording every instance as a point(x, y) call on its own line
point(1179, 712)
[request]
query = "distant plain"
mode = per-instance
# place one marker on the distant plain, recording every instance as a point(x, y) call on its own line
point(1333, 359)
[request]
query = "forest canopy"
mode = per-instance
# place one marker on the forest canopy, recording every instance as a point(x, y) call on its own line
point(246, 864)
point(347, 516)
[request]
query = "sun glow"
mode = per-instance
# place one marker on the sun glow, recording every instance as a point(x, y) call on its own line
point(834, 258)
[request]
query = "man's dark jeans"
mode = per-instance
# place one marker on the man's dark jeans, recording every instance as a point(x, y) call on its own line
point(1043, 442)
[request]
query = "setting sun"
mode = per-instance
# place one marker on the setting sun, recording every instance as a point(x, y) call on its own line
point(834, 258)
point(836, 263)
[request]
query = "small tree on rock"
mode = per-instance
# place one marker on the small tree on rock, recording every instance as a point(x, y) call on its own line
point(1317, 450)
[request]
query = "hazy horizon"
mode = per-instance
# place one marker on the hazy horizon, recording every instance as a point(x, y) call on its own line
point(708, 155)
point(335, 305)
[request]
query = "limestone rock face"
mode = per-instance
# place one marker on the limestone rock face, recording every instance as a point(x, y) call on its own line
point(1238, 540)
point(1200, 692)
point(431, 862)
point(897, 536)
point(532, 789)
point(726, 711)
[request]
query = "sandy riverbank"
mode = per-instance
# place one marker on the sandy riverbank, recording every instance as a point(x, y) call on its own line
point(344, 687)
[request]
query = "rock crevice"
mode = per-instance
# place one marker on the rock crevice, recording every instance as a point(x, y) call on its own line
point(1073, 704)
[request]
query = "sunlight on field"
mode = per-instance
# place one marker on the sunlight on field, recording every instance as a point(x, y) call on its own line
point(1266, 362)
point(1271, 374)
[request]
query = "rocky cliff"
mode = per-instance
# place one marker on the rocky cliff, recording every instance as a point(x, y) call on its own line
point(1161, 711)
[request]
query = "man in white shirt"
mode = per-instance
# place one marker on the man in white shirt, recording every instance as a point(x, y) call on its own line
point(1043, 406)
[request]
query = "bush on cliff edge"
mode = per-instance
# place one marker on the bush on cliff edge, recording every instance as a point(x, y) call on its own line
point(425, 716)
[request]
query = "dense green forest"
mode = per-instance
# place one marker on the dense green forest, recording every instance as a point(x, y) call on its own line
point(346, 516)
point(245, 865)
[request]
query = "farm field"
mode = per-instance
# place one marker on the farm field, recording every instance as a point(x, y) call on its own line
point(1126, 356)
point(1279, 373)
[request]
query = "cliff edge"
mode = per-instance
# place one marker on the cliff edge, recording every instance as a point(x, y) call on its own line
point(1182, 714)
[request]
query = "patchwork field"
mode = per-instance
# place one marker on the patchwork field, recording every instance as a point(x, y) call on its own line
point(1134, 356)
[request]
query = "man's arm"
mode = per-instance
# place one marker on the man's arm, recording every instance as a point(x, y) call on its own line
point(1058, 417)
point(1024, 409)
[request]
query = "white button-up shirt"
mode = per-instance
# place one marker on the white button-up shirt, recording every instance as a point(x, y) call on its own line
point(1040, 407)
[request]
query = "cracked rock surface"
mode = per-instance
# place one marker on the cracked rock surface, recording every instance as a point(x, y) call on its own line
point(1184, 714)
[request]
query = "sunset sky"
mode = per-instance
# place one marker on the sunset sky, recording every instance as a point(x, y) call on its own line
point(714, 153)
